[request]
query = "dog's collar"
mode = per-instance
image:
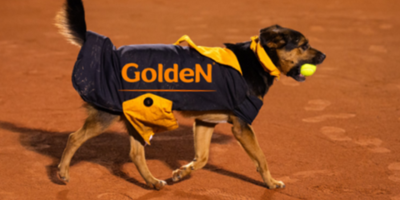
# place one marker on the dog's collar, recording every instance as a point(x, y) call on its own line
point(263, 57)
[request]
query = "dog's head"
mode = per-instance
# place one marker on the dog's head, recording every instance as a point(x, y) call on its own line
point(289, 50)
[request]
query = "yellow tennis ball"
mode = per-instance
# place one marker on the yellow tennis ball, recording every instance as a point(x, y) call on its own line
point(307, 69)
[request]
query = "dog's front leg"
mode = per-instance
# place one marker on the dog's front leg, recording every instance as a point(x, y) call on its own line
point(244, 133)
point(138, 158)
point(202, 132)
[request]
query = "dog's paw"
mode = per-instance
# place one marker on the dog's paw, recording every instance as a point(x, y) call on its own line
point(63, 177)
point(275, 185)
point(158, 184)
point(178, 174)
point(63, 174)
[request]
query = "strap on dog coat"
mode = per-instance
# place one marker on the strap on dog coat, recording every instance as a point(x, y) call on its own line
point(265, 61)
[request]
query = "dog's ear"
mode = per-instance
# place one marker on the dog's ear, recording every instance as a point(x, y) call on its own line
point(272, 37)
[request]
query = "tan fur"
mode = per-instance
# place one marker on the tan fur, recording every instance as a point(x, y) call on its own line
point(207, 116)
point(63, 29)
point(202, 132)
point(94, 125)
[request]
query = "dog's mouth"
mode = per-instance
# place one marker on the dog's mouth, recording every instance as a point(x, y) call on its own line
point(295, 74)
point(300, 78)
point(295, 71)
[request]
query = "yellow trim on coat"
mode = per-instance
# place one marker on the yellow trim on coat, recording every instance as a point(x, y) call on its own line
point(220, 55)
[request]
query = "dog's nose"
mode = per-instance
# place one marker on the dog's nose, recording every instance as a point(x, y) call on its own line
point(323, 56)
point(320, 58)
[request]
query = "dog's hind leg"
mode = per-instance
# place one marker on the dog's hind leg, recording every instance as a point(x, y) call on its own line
point(244, 133)
point(138, 158)
point(202, 132)
point(95, 124)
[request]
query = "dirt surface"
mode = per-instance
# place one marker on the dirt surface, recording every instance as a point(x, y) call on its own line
point(335, 136)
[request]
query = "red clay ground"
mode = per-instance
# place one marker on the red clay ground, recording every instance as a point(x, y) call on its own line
point(336, 136)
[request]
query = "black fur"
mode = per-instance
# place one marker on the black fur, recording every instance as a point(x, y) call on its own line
point(75, 19)
point(256, 77)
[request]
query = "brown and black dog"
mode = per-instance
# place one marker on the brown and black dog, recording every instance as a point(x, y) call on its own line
point(288, 50)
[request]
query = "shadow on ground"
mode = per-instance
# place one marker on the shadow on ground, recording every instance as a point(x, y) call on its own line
point(111, 150)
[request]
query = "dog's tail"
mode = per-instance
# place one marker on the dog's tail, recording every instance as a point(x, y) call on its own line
point(71, 22)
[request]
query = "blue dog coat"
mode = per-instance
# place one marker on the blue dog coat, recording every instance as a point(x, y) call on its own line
point(147, 82)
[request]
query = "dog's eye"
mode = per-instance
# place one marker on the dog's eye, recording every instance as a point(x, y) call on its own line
point(304, 47)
